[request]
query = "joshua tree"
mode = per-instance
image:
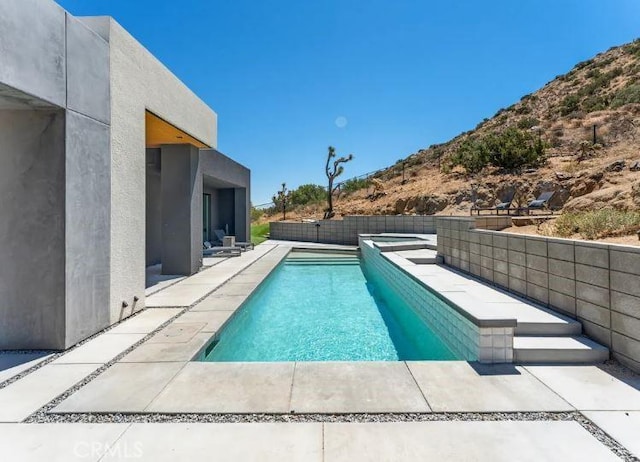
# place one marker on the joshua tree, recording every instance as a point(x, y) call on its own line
point(280, 200)
point(332, 175)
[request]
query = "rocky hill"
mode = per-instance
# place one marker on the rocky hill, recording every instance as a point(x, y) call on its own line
point(588, 167)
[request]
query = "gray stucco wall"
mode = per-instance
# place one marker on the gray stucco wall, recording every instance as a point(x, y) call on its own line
point(593, 282)
point(32, 48)
point(139, 82)
point(32, 229)
point(88, 190)
point(47, 57)
point(181, 195)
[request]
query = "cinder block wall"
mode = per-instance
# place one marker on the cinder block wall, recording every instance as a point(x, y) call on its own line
point(598, 284)
point(346, 231)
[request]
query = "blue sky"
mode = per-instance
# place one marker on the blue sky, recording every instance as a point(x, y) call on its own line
point(403, 74)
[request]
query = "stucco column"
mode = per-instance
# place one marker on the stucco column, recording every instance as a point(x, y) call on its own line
point(181, 190)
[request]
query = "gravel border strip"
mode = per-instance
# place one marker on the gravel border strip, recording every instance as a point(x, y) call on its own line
point(575, 416)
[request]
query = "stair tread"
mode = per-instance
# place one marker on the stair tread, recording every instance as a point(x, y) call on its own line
point(556, 343)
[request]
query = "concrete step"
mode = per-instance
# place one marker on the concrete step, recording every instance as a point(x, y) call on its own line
point(549, 329)
point(420, 256)
point(405, 245)
point(558, 350)
point(545, 323)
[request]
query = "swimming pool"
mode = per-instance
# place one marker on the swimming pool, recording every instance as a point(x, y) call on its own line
point(319, 307)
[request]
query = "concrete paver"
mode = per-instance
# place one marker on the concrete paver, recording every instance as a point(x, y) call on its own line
point(477, 441)
point(145, 322)
point(177, 332)
point(12, 364)
point(154, 352)
point(343, 387)
point(589, 388)
point(224, 442)
point(212, 320)
point(25, 396)
point(458, 386)
point(61, 442)
point(237, 288)
point(124, 387)
point(100, 350)
point(216, 302)
point(180, 295)
point(203, 387)
point(622, 426)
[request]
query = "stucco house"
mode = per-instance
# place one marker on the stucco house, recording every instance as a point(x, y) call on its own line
point(108, 164)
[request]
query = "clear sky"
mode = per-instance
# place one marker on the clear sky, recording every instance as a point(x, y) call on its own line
point(376, 78)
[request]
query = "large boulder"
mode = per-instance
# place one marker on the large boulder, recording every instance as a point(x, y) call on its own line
point(613, 197)
point(616, 166)
point(432, 204)
point(400, 206)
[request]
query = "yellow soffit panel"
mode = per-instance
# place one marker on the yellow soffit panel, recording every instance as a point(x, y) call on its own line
point(160, 132)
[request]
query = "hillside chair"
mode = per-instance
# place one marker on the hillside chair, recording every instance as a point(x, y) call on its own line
point(505, 203)
point(220, 234)
point(542, 202)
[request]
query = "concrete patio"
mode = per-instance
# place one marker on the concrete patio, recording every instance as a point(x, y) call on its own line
point(109, 394)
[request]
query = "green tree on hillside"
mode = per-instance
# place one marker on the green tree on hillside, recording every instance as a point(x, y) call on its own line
point(308, 194)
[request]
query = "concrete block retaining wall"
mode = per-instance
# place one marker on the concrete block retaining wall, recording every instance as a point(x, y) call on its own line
point(346, 231)
point(598, 284)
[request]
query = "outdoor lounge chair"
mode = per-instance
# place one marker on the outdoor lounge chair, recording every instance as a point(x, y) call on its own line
point(220, 234)
point(542, 202)
point(219, 251)
point(505, 203)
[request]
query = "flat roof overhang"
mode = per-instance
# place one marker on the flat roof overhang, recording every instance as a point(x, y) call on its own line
point(158, 132)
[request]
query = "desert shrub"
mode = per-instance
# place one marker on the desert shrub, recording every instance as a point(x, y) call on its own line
point(523, 109)
point(633, 48)
point(511, 149)
point(471, 155)
point(355, 184)
point(593, 73)
point(256, 214)
point(628, 94)
point(529, 97)
point(583, 64)
point(527, 123)
point(307, 194)
point(569, 104)
point(514, 149)
point(598, 223)
point(600, 81)
point(594, 103)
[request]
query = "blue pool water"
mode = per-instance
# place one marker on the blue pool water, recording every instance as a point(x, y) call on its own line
point(325, 310)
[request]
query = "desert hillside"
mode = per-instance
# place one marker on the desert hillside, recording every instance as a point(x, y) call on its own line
point(586, 170)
